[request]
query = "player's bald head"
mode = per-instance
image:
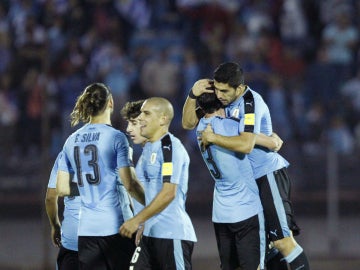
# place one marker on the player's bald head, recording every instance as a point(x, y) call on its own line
point(162, 106)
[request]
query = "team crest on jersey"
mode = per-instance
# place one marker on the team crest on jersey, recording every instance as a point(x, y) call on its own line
point(235, 113)
point(153, 158)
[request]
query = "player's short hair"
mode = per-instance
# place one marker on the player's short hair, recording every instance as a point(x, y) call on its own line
point(131, 109)
point(208, 102)
point(229, 73)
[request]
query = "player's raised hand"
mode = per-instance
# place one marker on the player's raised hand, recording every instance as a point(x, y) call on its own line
point(203, 86)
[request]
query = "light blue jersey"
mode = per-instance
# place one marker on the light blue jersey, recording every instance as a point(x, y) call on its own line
point(69, 225)
point(236, 195)
point(254, 116)
point(95, 153)
point(173, 222)
point(138, 206)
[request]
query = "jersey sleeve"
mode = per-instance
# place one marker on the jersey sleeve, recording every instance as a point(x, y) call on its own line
point(173, 160)
point(255, 109)
point(122, 151)
point(64, 162)
point(167, 165)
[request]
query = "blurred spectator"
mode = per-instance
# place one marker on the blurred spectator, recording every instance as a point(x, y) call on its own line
point(277, 102)
point(19, 12)
point(351, 91)
point(239, 43)
point(257, 72)
point(77, 19)
point(8, 105)
point(257, 17)
point(71, 80)
point(298, 110)
point(56, 37)
point(293, 24)
point(190, 70)
point(321, 80)
point(30, 43)
point(315, 126)
point(119, 74)
point(5, 52)
point(350, 101)
point(4, 19)
point(137, 12)
point(160, 76)
point(31, 99)
point(357, 136)
point(329, 9)
point(339, 136)
point(340, 38)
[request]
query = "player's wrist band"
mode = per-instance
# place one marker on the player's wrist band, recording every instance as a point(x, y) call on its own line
point(191, 94)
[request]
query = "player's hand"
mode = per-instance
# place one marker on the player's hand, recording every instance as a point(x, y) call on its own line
point(203, 86)
point(206, 137)
point(129, 227)
point(278, 142)
point(56, 235)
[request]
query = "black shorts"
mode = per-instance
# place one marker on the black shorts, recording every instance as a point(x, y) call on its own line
point(239, 244)
point(275, 190)
point(111, 252)
point(67, 259)
point(162, 254)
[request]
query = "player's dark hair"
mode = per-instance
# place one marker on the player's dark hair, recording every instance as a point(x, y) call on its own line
point(132, 109)
point(91, 102)
point(208, 102)
point(229, 73)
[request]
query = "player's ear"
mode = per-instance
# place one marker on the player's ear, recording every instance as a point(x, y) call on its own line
point(239, 89)
point(163, 120)
point(111, 102)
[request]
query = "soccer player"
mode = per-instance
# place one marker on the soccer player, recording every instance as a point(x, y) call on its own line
point(269, 167)
point(99, 155)
point(169, 236)
point(130, 112)
point(237, 212)
point(64, 235)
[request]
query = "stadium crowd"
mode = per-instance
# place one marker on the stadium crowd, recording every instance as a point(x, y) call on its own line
point(301, 55)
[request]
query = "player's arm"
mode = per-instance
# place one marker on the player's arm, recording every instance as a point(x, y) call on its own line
point(243, 143)
point(51, 205)
point(273, 142)
point(158, 204)
point(189, 116)
point(132, 184)
point(63, 183)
